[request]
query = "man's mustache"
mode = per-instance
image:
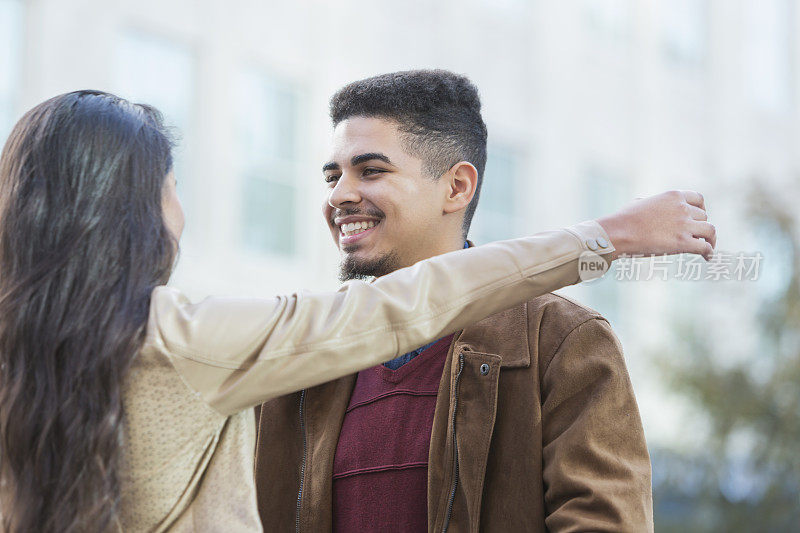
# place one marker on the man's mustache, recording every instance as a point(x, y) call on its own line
point(337, 213)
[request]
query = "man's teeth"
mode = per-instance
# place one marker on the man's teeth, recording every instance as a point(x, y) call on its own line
point(354, 228)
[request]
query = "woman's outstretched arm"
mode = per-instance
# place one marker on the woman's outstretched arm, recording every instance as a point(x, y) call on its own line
point(237, 353)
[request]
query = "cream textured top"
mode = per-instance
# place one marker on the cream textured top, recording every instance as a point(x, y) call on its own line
point(189, 433)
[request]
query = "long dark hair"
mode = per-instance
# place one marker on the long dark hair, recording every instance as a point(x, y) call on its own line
point(82, 244)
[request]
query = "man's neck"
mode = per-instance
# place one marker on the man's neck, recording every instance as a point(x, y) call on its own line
point(450, 247)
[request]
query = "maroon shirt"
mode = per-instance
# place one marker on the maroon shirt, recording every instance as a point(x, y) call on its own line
point(380, 471)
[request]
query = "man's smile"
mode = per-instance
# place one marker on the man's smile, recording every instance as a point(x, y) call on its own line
point(355, 228)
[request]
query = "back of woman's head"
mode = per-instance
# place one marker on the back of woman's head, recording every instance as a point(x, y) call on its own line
point(82, 244)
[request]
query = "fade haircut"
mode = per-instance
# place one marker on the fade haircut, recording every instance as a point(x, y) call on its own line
point(438, 113)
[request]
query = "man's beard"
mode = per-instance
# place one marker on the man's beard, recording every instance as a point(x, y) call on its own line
point(352, 268)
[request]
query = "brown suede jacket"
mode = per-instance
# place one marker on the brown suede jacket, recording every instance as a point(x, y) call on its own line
point(536, 428)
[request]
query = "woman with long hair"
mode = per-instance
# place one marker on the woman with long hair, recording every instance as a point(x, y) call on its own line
point(122, 405)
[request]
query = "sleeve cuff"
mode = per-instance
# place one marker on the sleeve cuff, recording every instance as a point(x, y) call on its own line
point(596, 249)
point(593, 238)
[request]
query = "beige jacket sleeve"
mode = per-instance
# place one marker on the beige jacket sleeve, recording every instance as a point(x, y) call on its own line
point(238, 353)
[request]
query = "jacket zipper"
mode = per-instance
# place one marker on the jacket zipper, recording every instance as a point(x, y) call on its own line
point(455, 446)
point(303, 464)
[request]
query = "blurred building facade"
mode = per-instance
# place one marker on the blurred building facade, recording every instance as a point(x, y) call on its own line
point(589, 103)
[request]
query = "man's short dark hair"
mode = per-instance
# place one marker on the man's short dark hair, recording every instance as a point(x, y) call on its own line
point(439, 111)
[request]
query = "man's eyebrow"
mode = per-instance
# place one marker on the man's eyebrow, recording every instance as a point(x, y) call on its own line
point(361, 158)
point(331, 165)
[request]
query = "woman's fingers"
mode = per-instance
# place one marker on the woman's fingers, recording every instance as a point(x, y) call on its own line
point(697, 214)
point(704, 230)
point(694, 198)
point(702, 247)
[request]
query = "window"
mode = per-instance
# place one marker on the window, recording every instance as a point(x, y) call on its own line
point(611, 17)
point(159, 72)
point(606, 192)
point(767, 53)
point(497, 216)
point(11, 15)
point(267, 123)
point(156, 71)
point(503, 5)
point(685, 30)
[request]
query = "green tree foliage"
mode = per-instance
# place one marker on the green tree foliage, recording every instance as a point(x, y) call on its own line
point(746, 476)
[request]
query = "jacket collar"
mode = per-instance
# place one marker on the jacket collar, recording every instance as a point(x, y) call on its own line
point(503, 334)
point(499, 335)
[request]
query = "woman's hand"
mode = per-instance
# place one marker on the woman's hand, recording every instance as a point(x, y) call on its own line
point(672, 222)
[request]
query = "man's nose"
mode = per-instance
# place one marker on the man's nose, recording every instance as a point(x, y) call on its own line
point(344, 192)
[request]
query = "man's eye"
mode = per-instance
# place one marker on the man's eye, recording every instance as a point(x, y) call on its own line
point(331, 178)
point(372, 171)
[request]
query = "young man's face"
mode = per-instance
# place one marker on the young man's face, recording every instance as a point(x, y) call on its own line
point(383, 210)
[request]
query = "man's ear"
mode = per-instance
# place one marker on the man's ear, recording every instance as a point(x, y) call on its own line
point(462, 180)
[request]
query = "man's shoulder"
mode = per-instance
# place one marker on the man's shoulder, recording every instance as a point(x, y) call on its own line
point(554, 309)
point(552, 318)
point(535, 328)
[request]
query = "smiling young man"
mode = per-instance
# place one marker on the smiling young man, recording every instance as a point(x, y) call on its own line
point(525, 421)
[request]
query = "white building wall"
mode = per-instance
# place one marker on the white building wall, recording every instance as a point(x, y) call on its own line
point(596, 101)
